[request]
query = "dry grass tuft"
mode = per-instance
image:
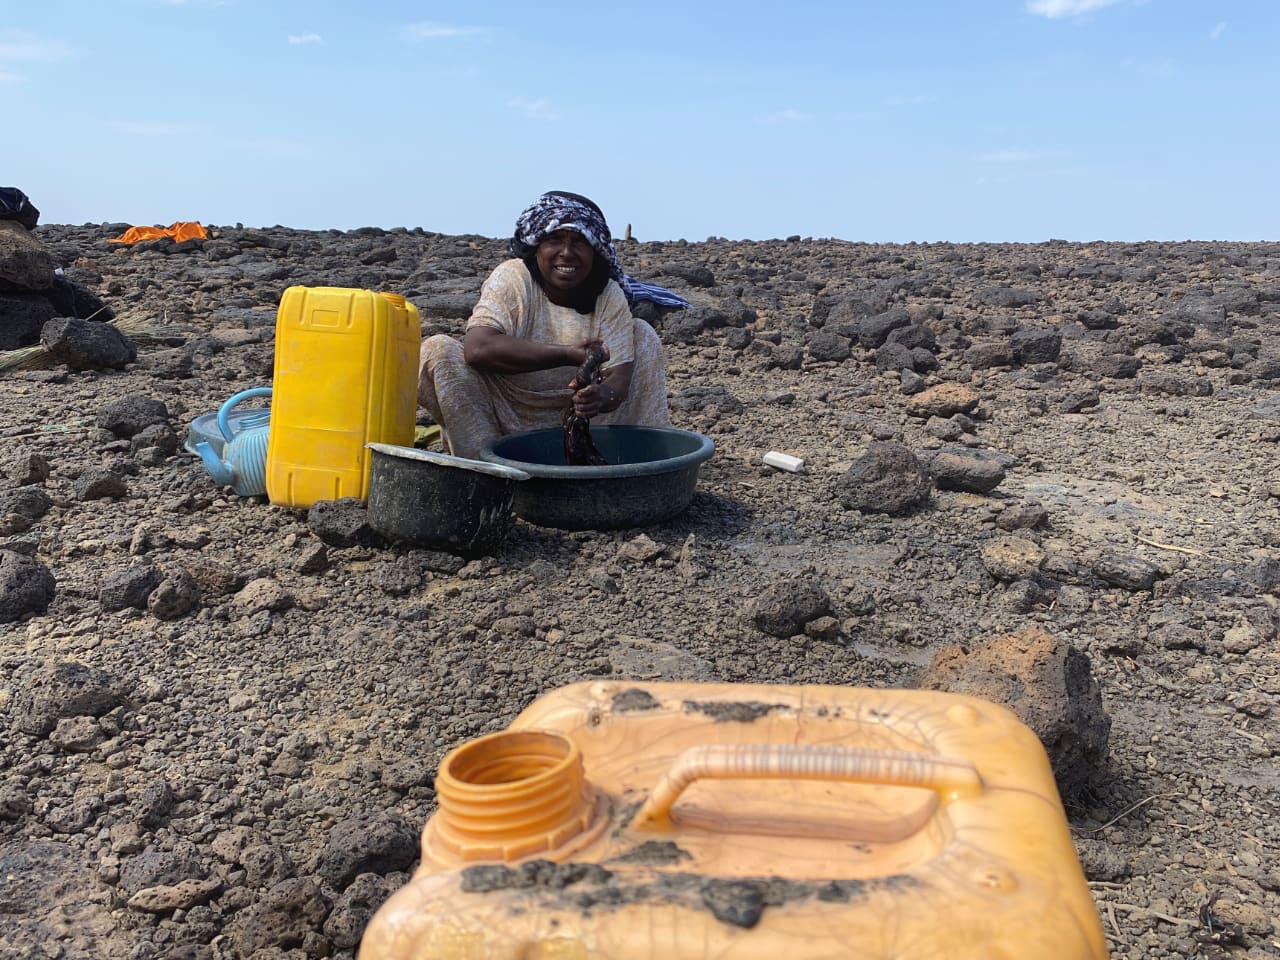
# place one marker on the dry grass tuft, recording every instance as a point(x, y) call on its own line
point(138, 326)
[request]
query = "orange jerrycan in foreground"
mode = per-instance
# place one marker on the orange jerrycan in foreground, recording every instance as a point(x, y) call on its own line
point(669, 820)
point(346, 374)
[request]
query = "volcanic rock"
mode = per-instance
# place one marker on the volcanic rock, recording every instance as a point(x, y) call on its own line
point(968, 470)
point(782, 609)
point(1049, 684)
point(379, 845)
point(132, 414)
point(342, 523)
point(887, 478)
point(26, 468)
point(944, 400)
point(291, 914)
point(26, 586)
point(25, 264)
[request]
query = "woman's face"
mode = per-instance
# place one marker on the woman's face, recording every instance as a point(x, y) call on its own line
point(564, 258)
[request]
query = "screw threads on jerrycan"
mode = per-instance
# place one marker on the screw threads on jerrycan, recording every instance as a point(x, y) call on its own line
point(511, 795)
point(346, 374)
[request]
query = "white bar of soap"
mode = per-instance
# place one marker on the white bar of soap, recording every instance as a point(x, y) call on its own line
point(784, 461)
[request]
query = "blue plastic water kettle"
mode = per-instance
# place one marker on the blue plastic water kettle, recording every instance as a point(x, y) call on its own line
point(243, 464)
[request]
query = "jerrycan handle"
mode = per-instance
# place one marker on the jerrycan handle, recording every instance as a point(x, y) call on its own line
point(225, 410)
point(951, 779)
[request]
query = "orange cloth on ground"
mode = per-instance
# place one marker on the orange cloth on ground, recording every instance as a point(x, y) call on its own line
point(180, 231)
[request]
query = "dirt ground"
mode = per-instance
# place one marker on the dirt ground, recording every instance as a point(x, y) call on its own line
point(262, 718)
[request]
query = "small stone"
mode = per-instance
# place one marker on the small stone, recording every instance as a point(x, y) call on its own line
point(131, 415)
point(262, 594)
point(14, 801)
point(265, 863)
point(1128, 573)
point(155, 804)
point(823, 628)
point(179, 896)
point(129, 588)
point(77, 734)
point(689, 566)
point(342, 523)
point(159, 868)
point(30, 502)
point(1241, 639)
point(288, 915)
point(1022, 516)
point(174, 597)
point(312, 558)
point(942, 401)
point(783, 608)
point(213, 578)
point(87, 344)
point(99, 484)
point(379, 845)
point(353, 910)
point(514, 627)
point(288, 767)
point(888, 479)
point(1012, 558)
point(402, 775)
point(642, 548)
point(72, 818)
point(65, 689)
point(27, 468)
point(968, 471)
point(599, 579)
point(26, 586)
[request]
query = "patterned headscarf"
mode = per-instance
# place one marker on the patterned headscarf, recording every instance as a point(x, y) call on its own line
point(558, 210)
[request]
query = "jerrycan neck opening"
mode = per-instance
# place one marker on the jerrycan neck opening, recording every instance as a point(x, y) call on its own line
point(512, 795)
point(396, 299)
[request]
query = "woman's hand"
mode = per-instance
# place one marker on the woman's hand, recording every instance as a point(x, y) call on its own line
point(605, 396)
point(584, 348)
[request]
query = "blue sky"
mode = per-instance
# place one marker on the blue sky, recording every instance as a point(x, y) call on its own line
point(888, 121)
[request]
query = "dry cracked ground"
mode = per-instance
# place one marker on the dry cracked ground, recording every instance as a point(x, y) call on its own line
point(221, 719)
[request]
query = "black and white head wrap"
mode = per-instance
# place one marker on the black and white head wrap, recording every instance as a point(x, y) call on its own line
point(558, 210)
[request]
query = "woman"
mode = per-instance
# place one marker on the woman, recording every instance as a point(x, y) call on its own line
point(537, 317)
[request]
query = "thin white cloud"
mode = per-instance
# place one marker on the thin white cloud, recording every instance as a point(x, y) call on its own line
point(1014, 155)
point(432, 30)
point(1056, 9)
point(1218, 30)
point(302, 39)
point(7, 78)
point(786, 116)
point(146, 128)
point(19, 45)
point(533, 109)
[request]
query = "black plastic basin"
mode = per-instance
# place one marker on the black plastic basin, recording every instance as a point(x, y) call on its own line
point(438, 501)
point(651, 476)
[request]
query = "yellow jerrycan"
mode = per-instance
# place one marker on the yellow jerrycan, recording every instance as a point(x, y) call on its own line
point(346, 374)
point(745, 822)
